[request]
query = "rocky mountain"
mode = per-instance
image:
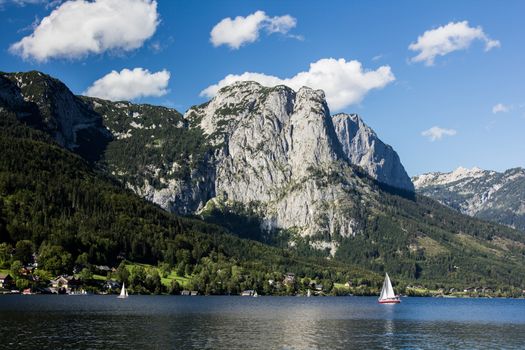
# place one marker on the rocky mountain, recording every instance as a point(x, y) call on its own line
point(155, 153)
point(281, 155)
point(274, 151)
point(47, 104)
point(363, 147)
point(261, 147)
point(266, 163)
point(486, 194)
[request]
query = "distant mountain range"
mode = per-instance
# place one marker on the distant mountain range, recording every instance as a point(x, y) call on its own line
point(268, 164)
point(486, 194)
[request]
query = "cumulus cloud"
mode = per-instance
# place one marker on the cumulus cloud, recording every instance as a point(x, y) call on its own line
point(500, 108)
point(437, 133)
point(344, 82)
point(78, 28)
point(448, 38)
point(130, 84)
point(243, 30)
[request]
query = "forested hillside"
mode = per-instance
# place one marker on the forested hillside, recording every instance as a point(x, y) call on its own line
point(70, 201)
point(75, 216)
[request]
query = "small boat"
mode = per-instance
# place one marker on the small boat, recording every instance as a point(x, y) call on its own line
point(255, 295)
point(309, 293)
point(123, 292)
point(387, 295)
point(78, 292)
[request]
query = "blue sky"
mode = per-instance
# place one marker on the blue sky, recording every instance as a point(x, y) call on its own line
point(456, 94)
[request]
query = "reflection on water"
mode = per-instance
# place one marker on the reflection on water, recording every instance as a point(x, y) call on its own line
point(49, 322)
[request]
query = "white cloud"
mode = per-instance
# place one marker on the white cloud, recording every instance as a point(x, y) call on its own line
point(344, 83)
point(130, 84)
point(437, 133)
point(243, 30)
point(22, 2)
point(78, 28)
point(448, 38)
point(280, 24)
point(500, 108)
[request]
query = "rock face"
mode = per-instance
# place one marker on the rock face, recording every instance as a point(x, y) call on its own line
point(363, 148)
point(154, 153)
point(274, 152)
point(63, 115)
point(489, 195)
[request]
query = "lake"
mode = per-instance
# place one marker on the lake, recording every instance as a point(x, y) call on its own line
point(176, 322)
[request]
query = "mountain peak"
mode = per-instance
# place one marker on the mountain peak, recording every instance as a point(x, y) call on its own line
point(363, 148)
point(439, 178)
point(487, 194)
point(272, 150)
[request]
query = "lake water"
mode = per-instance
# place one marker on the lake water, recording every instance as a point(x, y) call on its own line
point(168, 322)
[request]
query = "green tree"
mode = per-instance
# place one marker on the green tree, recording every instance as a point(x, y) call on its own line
point(85, 274)
point(43, 275)
point(5, 254)
point(122, 273)
point(181, 269)
point(16, 268)
point(82, 259)
point(164, 269)
point(137, 277)
point(22, 283)
point(54, 259)
point(24, 251)
point(153, 282)
point(175, 288)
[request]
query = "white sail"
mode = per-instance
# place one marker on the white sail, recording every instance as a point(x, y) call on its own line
point(387, 292)
point(123, 292)
point(309, 293)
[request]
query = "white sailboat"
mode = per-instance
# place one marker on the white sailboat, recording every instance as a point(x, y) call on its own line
point(255, 295)
point(123, 292)
point(309, 293)
point(387, 295)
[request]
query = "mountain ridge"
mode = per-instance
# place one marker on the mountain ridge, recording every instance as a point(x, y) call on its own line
point(280, 145)
point(183, 182)
point(486, 194)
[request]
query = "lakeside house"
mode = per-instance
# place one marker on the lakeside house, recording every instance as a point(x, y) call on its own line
point(189, 293)
point(103, 268)
point(111, 285)
point(64, 284)
point(247, 293)
point(289, 278)
point(6, 281)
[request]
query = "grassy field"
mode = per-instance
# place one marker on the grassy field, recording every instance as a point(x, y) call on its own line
point(166, 281)
point(99, 277)
point(183, 281)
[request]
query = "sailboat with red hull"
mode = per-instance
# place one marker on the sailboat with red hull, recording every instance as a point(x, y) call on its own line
point(387, 295)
